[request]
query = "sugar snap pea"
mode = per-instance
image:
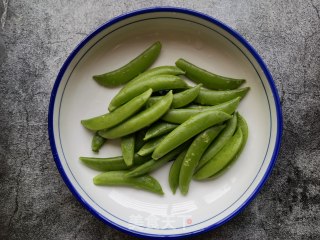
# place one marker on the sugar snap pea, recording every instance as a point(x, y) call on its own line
point(194, 153)
point(181, 115)
point(242, 124)
point(156, 83)
point(175, 171)
point(162, 70)
point(222, 158)
point(150, 145)
point(97, 142)
point(180, 99)
point(112, 163)
point(211, 97)
point(188, 129)
point(138, 140)
point(127, 148)
point(131, 69)
point(245, 131)
point(119, 115)
point(141, 120)
point(119, 178)
point(158, 129)
point(208, 79)
point(152, 164)
point(219, 142)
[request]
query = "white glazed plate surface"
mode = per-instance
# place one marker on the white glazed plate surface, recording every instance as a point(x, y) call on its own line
point(205, 42)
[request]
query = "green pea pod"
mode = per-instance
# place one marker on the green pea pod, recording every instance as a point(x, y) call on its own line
point(156, 83)
point(141, 120)
point(131, 69)
point(210, 97)
point(127, 148)
point(181, 115)
point(175, 171)
point(222, 158)
point(245, 131)
point(180, 99)
point(241, 123)
point(208, 79)
point(188, 129)
point(112, 163)
point(119, 178)
point(97, 142)
point(152, 164)
point(219, 143)
point(149, 146)
point(119, 115)
point(158, 129)
point(163, 70)
point(194, 153)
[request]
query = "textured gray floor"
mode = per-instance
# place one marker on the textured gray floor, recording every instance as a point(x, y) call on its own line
point(36, 37)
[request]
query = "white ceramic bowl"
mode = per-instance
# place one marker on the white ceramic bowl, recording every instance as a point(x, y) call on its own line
point(204, 41)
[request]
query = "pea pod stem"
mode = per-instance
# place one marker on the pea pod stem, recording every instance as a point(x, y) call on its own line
point(208, 79)
point(156, 83)
point(178, 116)
point(114, 118)
point(119, 178)
point(130, 70)
point(141, 120)
point(189, 129)
point(97, 142)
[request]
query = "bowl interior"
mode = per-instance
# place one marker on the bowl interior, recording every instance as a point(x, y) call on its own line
point(78, 97)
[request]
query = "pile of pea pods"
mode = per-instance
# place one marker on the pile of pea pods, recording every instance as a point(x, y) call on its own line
point(160, 118)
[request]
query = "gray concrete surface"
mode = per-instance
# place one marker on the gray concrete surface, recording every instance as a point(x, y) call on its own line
point(36, 37)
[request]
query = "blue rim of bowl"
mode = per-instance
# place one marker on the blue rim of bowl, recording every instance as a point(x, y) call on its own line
point(244, 42)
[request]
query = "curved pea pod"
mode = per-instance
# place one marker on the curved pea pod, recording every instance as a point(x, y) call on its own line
point(222, 158)
point(245, 131)
point(127, 148)
point(189, 129)
point(162, 70)
point(180, 99)
point(112, 163)
point(181, 115)
point(242, 124)
point(211, 97)
point(152, 164)
point(119, 115)
point(175, 171)
point(156, 83)
point(139, 121)
point(158, 129)
point(97, 142)
point(119, 178)
point(131, 69)
point(194, 153)
point(149, 146)
point(208, 79)
point(219, 143)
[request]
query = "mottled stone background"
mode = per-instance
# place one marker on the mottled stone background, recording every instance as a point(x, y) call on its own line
point(35, 38)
